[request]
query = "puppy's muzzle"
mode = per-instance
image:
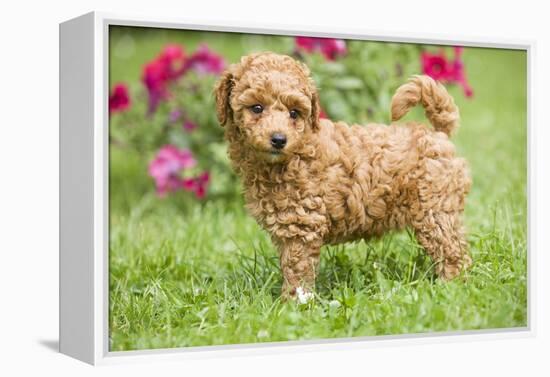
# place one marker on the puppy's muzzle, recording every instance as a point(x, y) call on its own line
point(278, 141)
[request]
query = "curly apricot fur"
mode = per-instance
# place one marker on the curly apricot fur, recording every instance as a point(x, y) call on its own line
point(333, 182)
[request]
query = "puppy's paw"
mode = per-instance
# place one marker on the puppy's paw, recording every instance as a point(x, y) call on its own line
point(300, 294)
point(303, 296)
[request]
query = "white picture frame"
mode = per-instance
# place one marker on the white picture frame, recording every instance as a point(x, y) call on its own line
point(84, 191)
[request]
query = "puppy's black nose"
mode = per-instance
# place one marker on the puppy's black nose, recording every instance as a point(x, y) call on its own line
point(278, 141)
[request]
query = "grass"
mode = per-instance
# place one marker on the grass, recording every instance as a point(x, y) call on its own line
point(176, 282)
point(185, 273)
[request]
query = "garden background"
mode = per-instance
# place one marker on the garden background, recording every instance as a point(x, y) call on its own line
point(189, 267)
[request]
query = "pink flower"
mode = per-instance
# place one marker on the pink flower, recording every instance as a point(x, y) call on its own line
point(332, 48)
point(174, 116)
point(329, 47)
point(167, 166)
point(307, 44)
point(189, 126)
point(170, 65)
point(155, 79)
point(435, 66)
point(457, 73)
point(173, 59)
point(119, 100)
point(440, 68)
point(198, 185)
point(322, 114)
point(205, 61)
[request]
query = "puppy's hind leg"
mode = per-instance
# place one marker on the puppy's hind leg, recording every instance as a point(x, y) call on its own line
point(442, 236)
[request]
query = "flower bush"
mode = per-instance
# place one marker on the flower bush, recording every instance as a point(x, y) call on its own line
point(184, 141)
point(356, 79)
point(172, 123)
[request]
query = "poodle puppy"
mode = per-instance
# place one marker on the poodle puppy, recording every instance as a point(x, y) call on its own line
point(311, 182)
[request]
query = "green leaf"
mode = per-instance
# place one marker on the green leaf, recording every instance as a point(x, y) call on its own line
point(348, 83)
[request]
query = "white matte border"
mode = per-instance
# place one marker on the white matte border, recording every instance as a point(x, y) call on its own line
point(101, 215)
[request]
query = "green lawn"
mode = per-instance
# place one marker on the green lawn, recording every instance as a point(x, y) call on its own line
point(189, 273)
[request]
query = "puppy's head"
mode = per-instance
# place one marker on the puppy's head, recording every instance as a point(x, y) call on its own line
point(271, 103)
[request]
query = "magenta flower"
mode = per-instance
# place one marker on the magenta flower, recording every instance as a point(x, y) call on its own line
point(167, 166)
point(170, 65)
point(157, 74)
point(119, 100)
point(189, 126)
point(205, 61)
point(330, 48)
point(435, 65)
point(457, 73)
point(440, 68)
point(174, 116)
point(198, 185)
point(155, 79)
point(173, 59)
point(307, 44)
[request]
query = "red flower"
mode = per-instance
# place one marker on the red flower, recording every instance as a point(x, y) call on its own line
point(329, 47)
point(119, 100)
point(440, 68)
point(322, 114)
point(198, 185)
point(167, 166)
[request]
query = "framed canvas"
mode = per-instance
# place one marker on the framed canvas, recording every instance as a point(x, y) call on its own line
point(240, 189)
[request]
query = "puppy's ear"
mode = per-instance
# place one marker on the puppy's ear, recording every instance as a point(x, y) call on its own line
point(315, 109)
point(222, 91)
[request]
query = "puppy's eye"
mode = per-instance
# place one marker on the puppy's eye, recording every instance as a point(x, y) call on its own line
point(294, 114)
point(257, 109)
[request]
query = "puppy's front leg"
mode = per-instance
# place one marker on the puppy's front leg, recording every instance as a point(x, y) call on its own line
point(299, 261)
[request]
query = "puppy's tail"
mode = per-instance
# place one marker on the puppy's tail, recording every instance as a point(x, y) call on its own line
point(438, 103)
